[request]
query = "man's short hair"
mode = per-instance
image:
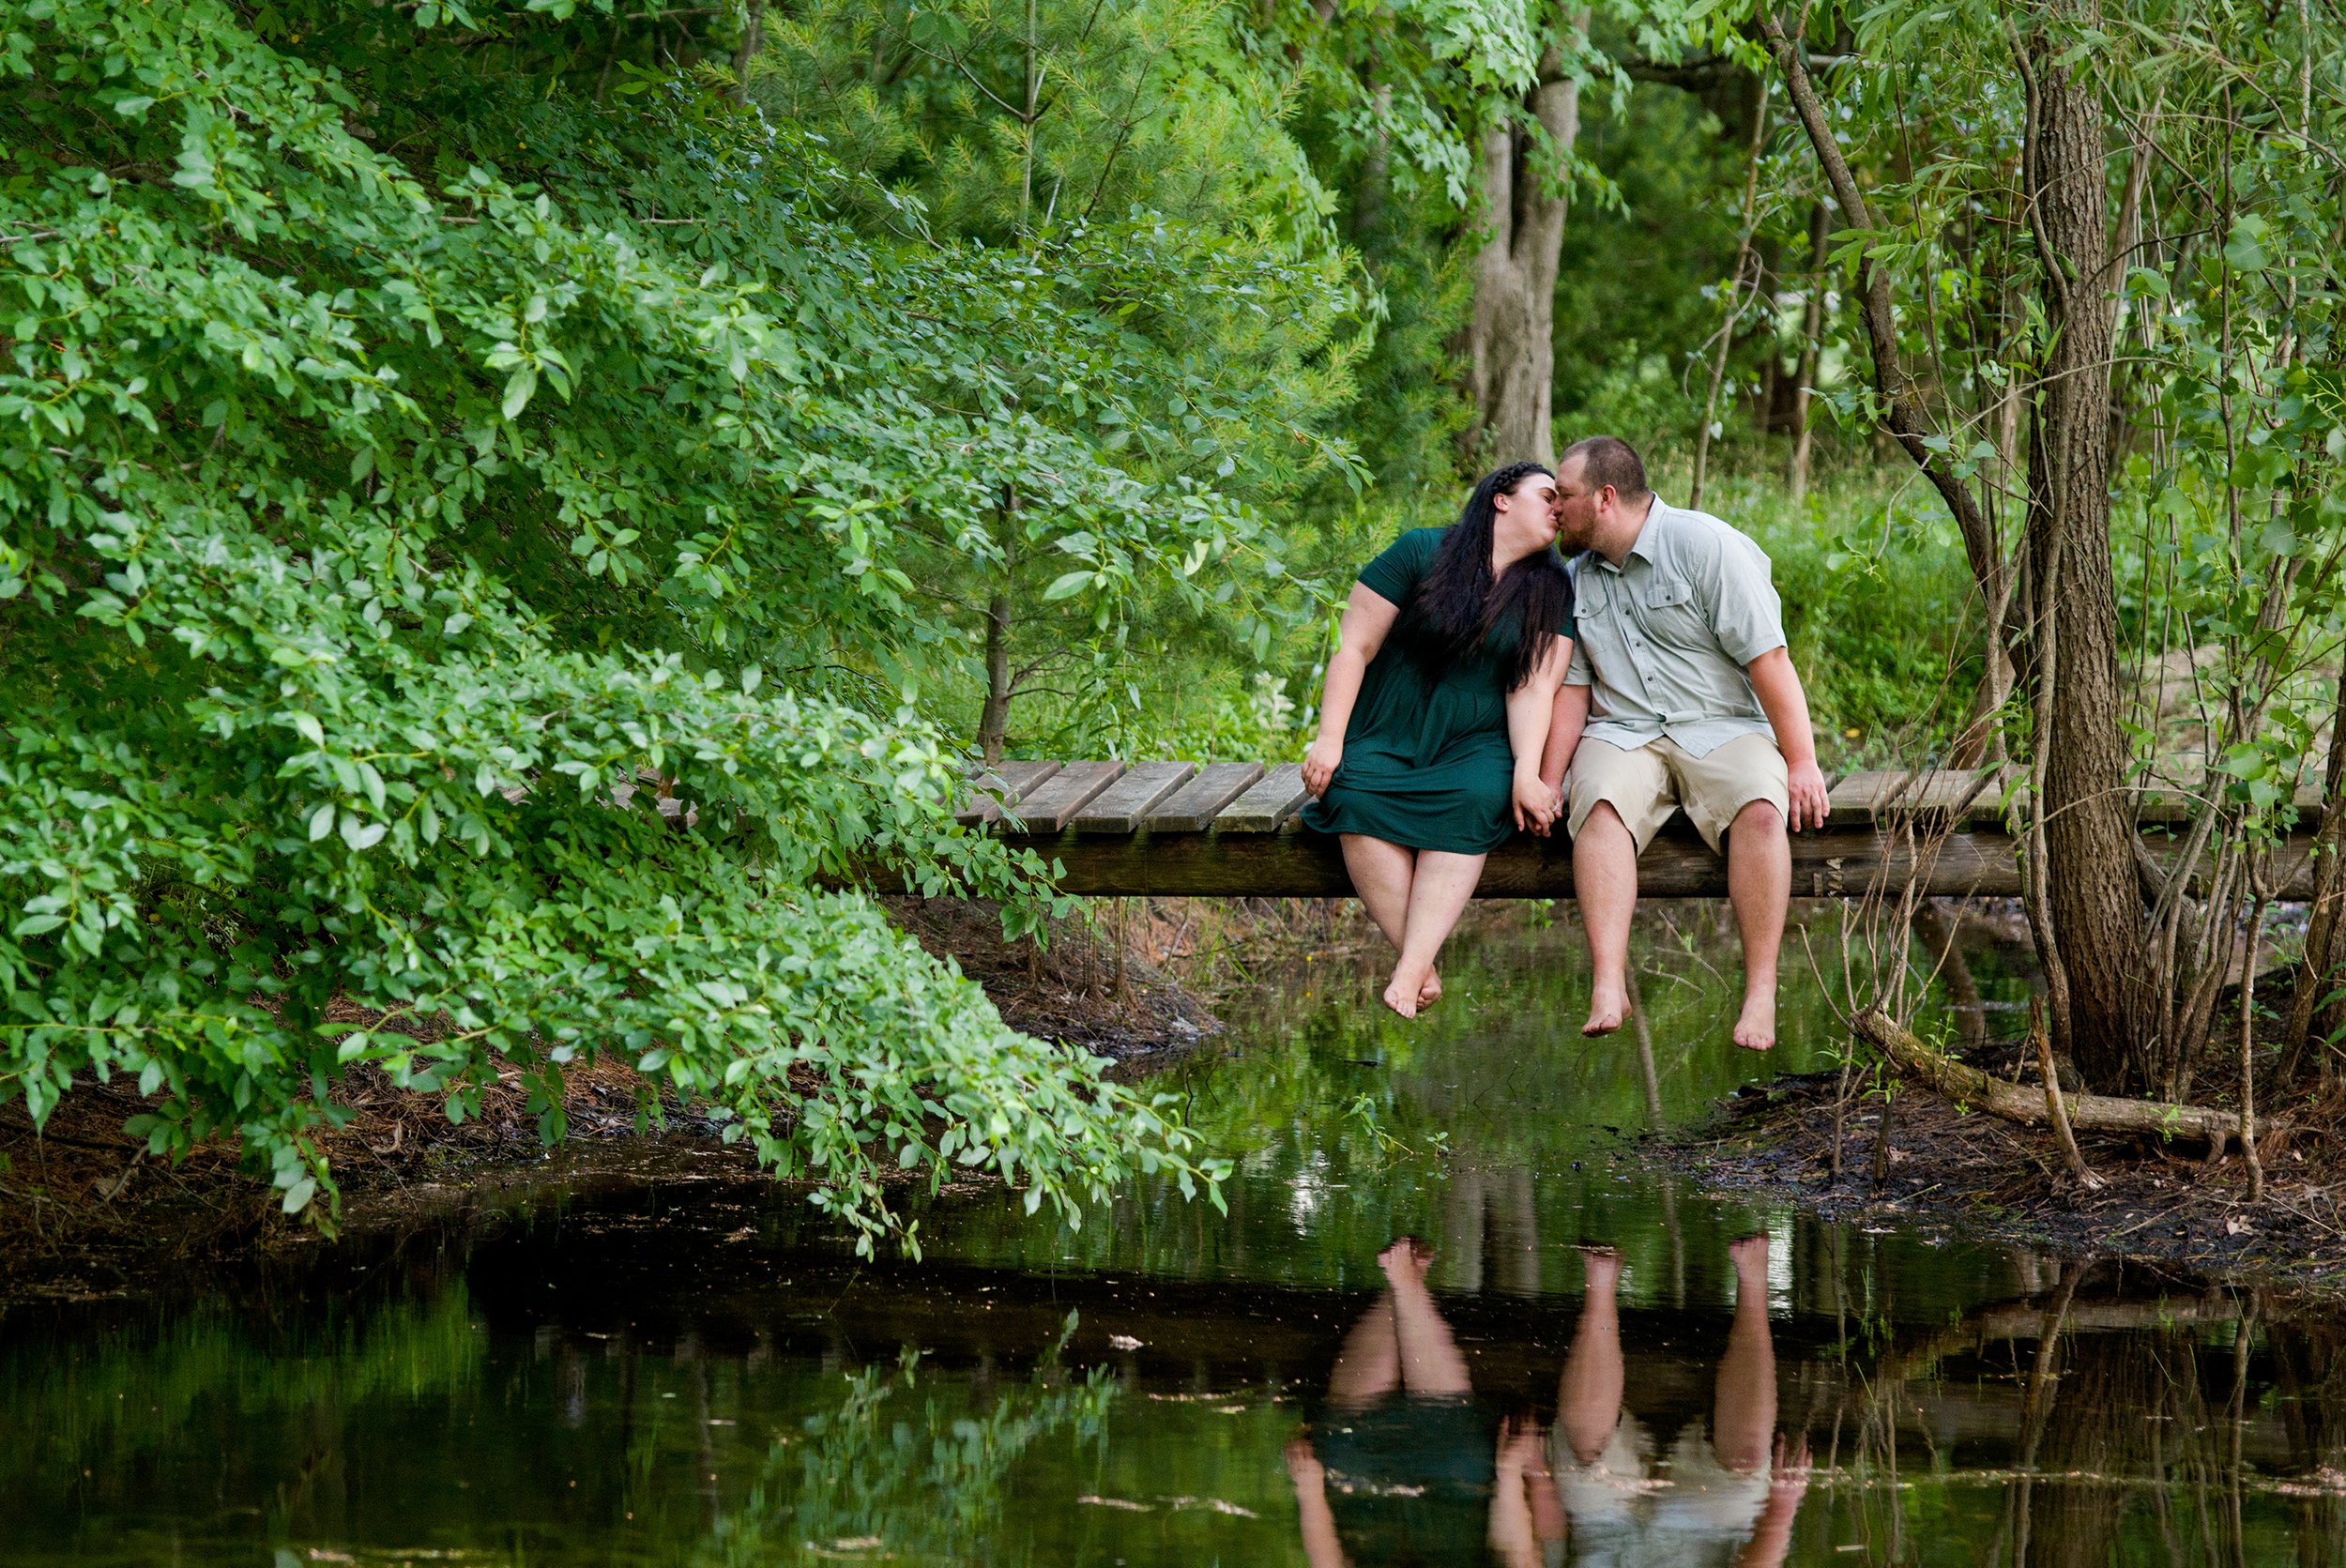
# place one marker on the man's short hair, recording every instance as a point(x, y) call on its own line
point(1609, 459)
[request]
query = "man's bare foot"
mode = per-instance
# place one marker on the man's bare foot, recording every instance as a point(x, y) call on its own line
point(1755, 1030)
point(1608, 1009)
point(1749, 1254)
point(1600, 1268)
point(1429, 993)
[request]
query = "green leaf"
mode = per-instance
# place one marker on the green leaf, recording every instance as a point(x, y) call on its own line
point(1068, 585)
point(518, 388)
point(2244, 248)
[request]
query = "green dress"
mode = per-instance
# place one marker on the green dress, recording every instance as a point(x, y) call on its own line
point(1427, 762)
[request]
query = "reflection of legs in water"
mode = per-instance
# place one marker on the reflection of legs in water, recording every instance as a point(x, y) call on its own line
point(1588, 1400)
point(1321, 1546)
point(1524, 1510)
point(1743, 1414)
point(1401, 1342)
point(1431, 1366)
point(1382, 874)
point(1369, 1365)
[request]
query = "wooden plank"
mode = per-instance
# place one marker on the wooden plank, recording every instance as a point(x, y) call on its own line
point(1001, 786)
point(1268, 804)
point(1872, 797)
point(1119, 809)
point(1058, 798)
point(1190, 809)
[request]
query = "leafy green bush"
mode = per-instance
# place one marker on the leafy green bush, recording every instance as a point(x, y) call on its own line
point(399, 448)
point(1878, 604)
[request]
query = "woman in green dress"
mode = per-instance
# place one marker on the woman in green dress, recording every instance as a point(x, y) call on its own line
point(1435, 710)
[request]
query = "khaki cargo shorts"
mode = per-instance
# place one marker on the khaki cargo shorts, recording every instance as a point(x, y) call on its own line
point(1646, 784)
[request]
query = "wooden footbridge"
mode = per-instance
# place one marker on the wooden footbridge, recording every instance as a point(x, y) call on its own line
point(1230, 830)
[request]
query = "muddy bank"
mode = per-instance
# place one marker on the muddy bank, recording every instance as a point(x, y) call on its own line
point(84, 1211)
point(1799, 1140)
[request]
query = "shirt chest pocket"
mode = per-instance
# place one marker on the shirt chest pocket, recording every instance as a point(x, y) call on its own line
point(1591, 595)
point(1666, 606)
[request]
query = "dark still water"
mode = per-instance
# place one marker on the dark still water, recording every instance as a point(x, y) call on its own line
point(1448, 1319)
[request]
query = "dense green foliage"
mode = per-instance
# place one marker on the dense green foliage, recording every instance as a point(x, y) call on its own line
point(403, 449)
point(508, 512)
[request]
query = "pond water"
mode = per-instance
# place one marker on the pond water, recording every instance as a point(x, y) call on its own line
point(1448, 1319)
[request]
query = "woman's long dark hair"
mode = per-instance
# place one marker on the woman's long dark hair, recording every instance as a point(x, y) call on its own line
point(1457, 605)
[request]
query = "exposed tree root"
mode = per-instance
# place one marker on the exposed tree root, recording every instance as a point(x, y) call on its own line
point(2098, 1113)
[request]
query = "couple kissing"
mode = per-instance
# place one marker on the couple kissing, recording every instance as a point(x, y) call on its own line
point(1485, 684)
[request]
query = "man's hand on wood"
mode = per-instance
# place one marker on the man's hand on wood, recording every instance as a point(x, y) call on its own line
point(1809, 805)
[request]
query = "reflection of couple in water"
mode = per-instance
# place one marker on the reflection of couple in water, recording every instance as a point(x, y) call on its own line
point(1406, 1465)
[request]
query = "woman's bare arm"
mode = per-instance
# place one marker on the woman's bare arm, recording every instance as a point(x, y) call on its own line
point(1368, 616)
point(1530, 710)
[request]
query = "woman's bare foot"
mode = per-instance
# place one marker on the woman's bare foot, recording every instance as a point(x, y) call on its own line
point(1406, 995)
point(1429, 993)
point(1608, 1009)
point(1406, 1258)
point(1401, 999)
point(1755, 1030)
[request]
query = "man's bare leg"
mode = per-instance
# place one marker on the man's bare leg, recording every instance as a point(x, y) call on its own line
point(1381, 875)
point(1588, 1398)
point(1438, 897)
point(1605, 880)
point(1744, 1411)
point(1759, 885)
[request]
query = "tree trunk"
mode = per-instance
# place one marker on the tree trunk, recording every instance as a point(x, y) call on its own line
point(994, 718)
point(2319, 974)
point(1811, 347)
point(1735, 302)
point(1368, 202)
point(2091, 896)
point(1512, 336)
point(745, 52)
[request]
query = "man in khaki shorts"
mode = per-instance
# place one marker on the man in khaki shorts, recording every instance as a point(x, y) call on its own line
point(1681, 696)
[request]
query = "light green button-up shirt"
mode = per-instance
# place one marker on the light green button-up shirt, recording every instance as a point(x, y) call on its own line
point(1665, 635)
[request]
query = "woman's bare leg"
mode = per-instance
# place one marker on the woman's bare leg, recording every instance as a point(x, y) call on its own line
point(1369, 1365)
point(1588, 1400)
point(1431, 1366)
point(1437, 896)
point(1744, 1412)
point(1381, 875)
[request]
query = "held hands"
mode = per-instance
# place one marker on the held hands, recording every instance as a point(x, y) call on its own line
point(1320, 764)
point(1537, 804)
point(1810, 806)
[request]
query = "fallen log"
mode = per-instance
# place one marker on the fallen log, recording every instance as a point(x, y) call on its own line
point(2096, 1113)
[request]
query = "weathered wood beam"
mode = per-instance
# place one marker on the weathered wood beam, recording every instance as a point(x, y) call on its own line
point(1230, 830)
point(1293, 863)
